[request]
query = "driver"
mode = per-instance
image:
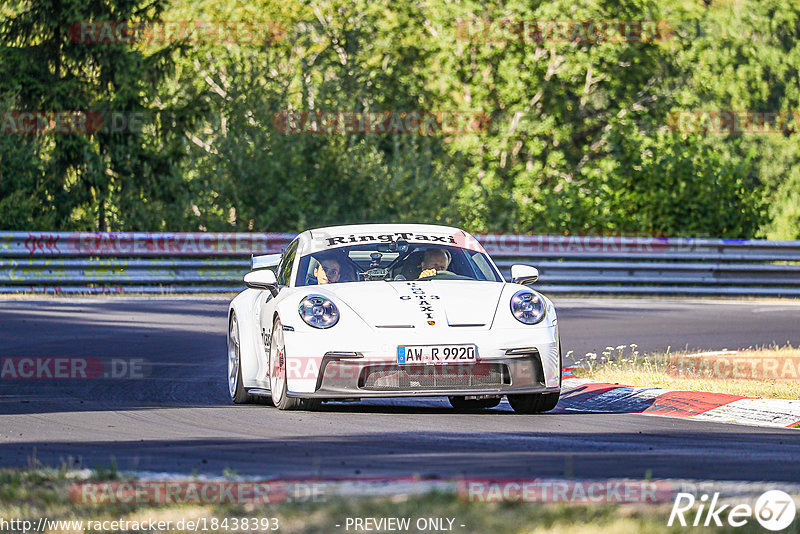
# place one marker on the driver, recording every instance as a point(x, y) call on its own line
point(433, 260)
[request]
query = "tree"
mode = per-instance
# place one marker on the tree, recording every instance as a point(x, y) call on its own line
point(106, 178)
point(341, 57)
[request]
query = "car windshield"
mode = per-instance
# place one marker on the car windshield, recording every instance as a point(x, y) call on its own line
point(394, 261)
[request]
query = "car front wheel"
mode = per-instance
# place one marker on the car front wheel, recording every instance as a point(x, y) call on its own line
point(277, 373)
point(538, 402)
point(533, 402)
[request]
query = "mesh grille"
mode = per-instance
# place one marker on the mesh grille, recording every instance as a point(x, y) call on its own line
point(423, 377)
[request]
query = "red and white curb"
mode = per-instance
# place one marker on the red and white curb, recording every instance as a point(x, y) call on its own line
point(578, 394)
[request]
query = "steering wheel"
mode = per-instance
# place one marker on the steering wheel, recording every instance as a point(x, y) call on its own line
point(445, 275)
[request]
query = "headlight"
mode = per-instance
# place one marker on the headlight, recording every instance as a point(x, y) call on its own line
point(527, 307)
point(318, 311)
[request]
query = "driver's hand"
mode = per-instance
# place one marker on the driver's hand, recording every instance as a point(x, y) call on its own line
point(427, 272)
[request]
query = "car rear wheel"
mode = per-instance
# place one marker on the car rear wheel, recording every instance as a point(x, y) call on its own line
point(277, 375)
point(238, 394)
point(461, 403)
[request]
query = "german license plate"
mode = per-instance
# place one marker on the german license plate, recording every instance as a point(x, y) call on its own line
point(437, 354)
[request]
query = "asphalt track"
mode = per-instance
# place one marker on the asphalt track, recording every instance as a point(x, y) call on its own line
point(178, 418)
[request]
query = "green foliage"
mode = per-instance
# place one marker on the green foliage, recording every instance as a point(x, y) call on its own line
point(252, 175)
point(746, 56)
point(22, 186)
point(104, 179)
point(664, 184)
point(578, 140)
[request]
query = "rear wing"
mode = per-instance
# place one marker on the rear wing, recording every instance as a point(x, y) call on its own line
point(265, 261)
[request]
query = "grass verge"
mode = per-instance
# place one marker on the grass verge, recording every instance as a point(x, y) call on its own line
point(769, 372)
point(35, 493)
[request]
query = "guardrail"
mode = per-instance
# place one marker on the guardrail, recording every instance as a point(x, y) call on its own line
point(139, 262)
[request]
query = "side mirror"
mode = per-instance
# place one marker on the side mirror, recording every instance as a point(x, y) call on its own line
point(262, 279)
point(524, 274)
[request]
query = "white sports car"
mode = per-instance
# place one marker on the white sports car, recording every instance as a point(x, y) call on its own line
point(391, 310)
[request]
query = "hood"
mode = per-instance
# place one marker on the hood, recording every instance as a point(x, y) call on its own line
point(448, 303)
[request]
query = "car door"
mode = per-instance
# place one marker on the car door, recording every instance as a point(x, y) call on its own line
point(268, 304)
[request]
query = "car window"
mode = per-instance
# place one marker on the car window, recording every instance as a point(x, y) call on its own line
point(483, 265)
point(285, 267)
point(369, 262)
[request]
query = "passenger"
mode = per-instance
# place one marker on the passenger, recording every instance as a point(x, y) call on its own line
point(328, 271)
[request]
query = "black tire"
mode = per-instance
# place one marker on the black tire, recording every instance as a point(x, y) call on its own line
point(473, 405)
point(266, 400)
point(533, 402)
point(278, 385)
point(310, 404)
point(236, 390)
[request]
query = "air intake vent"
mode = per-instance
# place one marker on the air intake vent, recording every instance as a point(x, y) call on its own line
point(433, 377)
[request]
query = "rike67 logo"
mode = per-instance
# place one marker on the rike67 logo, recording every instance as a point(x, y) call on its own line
point(774, 510)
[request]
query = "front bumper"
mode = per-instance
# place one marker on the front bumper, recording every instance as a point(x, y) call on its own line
point(351, 377)
point(509, 362)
